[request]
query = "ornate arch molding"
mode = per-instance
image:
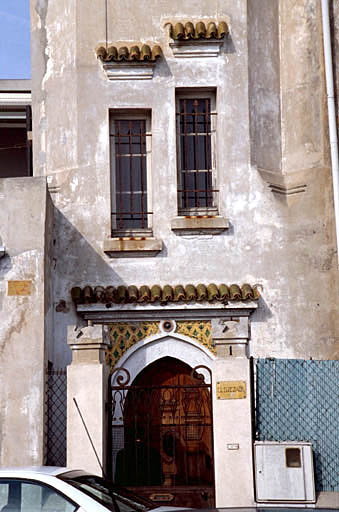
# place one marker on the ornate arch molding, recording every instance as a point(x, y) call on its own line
point(121, 336)
point(228, 323)
point(156, 347)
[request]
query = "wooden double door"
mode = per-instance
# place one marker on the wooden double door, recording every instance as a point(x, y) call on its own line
point(162, 434)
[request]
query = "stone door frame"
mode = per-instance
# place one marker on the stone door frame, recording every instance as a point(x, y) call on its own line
point(88, 375)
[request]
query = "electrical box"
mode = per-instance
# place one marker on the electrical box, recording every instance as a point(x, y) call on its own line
point(284, 472)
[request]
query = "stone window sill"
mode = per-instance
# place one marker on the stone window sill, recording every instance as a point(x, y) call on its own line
point(128, 71)
point(132, 247)
point(196, 48)
point(199, 224)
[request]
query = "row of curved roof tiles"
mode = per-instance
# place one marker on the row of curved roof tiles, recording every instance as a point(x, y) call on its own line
point(188, 30)
point(164, 294)
point(141, 54)
point(178, 32)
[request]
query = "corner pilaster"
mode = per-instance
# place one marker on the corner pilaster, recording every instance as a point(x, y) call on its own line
point(286, 96)
point(230, 336)
point(232, 412)
point(86, 397)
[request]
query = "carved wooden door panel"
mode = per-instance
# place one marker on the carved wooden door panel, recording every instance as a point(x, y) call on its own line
point(166, 438)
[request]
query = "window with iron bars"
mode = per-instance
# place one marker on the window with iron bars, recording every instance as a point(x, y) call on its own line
point(196, 121)
point(130, 161)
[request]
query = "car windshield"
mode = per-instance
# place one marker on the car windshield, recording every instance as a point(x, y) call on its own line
point(103, 491)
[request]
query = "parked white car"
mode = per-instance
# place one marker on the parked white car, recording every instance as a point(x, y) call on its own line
point(53, 489)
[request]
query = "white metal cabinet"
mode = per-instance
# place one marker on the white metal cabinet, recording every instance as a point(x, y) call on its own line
point(284, 472)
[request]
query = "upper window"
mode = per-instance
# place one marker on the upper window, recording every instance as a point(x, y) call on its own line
point(15, 141)
point(196, 122)
point(130, 162)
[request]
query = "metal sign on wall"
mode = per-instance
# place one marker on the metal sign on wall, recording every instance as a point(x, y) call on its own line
point(231, 389)
point(19, 287)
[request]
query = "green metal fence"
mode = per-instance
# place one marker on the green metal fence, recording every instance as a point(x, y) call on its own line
point(298, 400)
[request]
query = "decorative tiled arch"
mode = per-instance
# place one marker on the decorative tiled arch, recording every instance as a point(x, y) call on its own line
point(124, 335)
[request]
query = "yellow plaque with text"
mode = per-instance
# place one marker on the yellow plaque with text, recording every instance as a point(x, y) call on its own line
point(19, 287)
point(230, 389)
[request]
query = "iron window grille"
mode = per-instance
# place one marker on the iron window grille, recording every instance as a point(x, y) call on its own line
point(196, 120)
point(130, 156)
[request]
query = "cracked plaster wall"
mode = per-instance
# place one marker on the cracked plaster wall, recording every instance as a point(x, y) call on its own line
point(23, 202)
point(287, 246)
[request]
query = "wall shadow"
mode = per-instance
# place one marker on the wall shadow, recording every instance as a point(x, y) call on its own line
point(262, 313)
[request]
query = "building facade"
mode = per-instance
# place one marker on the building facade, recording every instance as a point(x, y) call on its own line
point(180, 215)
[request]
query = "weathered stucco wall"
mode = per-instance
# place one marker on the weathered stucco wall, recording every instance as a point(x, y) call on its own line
point(264, 84)
point(285, 243)
point(23, 206)
point(286, 88)
point(302, 86)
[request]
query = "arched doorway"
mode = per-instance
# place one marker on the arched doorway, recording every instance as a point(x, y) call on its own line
point(162, 442)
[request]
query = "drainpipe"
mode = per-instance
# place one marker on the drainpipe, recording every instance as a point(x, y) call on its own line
point(331, 112)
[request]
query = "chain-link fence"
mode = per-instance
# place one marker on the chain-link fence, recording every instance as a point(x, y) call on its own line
point(55, 417)
point(298, 400)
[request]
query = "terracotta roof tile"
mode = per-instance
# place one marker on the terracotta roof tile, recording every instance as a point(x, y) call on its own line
point(137, 53)
point(184, 32)
point(164, 294)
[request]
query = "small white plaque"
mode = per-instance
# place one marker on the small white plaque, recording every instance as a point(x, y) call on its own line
point(233, 446)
